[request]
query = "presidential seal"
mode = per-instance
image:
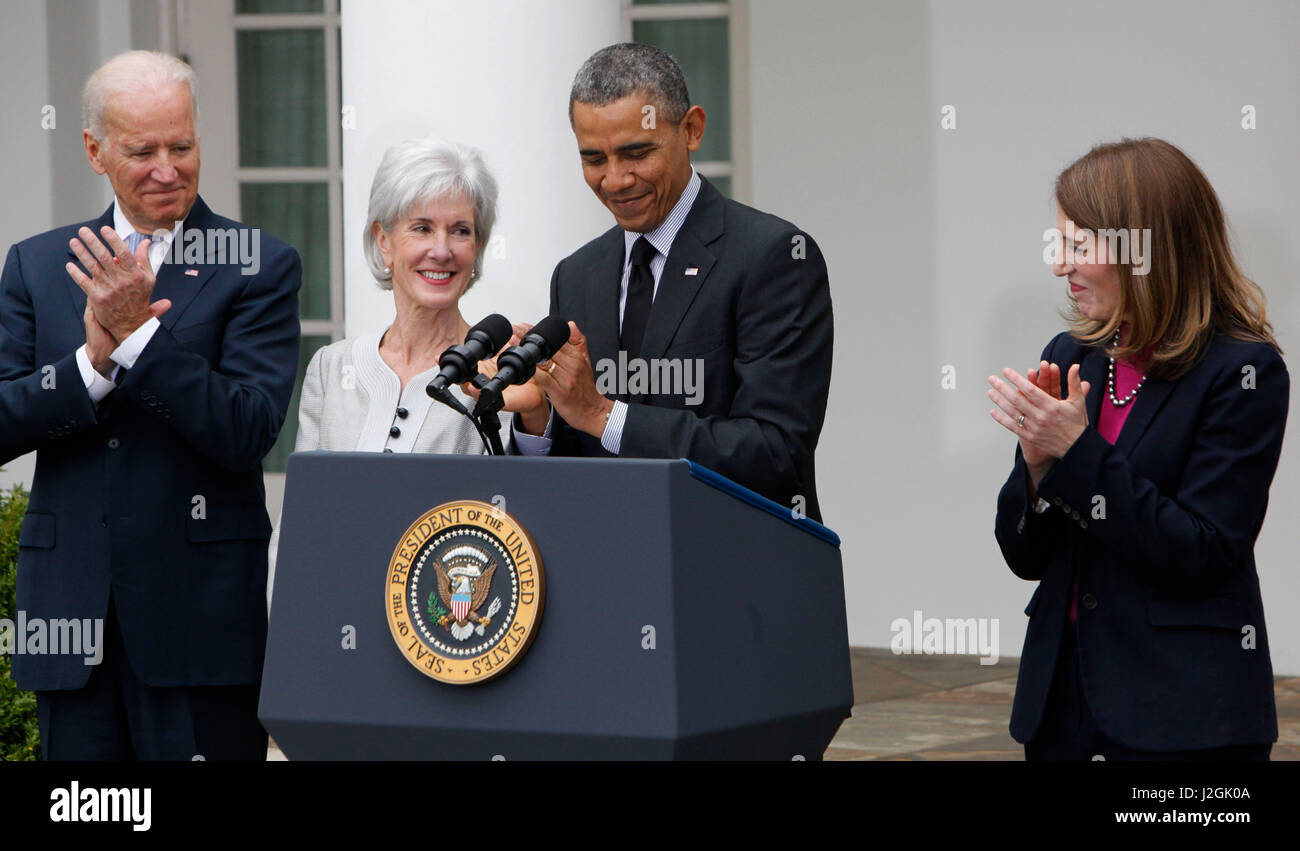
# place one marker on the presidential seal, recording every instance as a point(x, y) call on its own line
point(464, 593)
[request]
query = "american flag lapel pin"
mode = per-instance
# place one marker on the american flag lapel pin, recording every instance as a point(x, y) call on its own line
point(193, 273)
point(692, 270)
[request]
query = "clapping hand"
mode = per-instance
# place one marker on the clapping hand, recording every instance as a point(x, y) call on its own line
point(570, 383)
point(1047, 377)
point(117, 292)
point(1031, 407)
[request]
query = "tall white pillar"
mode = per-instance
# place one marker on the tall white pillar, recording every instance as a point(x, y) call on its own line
point(493, 75)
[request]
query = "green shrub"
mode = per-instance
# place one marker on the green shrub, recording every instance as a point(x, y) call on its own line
point(19, 735)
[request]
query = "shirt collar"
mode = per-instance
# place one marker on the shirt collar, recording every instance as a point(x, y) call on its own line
point(124, 228)
point(662, 237)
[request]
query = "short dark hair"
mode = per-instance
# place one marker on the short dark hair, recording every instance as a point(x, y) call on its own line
point(612, 73)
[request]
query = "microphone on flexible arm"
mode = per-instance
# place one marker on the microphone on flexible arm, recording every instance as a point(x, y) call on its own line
point(518, 363)
point(460, 363)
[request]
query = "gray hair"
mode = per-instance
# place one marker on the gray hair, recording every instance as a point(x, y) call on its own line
point(132, 72)
point(417, 171)
point(612, 73)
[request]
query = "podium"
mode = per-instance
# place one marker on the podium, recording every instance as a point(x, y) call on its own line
point(684, 617)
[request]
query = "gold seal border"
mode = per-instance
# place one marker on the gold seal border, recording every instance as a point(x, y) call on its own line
point(410, 644)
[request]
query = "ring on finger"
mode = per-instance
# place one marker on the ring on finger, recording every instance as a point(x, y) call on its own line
point(1020, 423)
point(549, 369)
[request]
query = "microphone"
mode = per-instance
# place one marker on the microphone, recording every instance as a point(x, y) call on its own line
point(517, 364)
point(460, 363)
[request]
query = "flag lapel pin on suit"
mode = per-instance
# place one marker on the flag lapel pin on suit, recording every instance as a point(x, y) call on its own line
point(193, 273)
point(692, 270)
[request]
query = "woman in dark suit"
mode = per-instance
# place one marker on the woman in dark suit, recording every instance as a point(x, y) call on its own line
point(1136, 505)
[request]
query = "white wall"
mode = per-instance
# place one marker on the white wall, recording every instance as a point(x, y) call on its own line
point(24, 151)
point(83, 34)
point(47, 49)
point(24, 146)
point(492, 75)
point(933, 239)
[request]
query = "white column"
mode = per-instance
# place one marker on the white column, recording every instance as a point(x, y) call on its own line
point(31, 123)
point(492, 75)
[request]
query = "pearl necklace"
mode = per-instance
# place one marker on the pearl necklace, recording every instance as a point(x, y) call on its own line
point(1110, 382)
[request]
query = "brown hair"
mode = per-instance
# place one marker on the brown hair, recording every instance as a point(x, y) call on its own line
point(1193, 288)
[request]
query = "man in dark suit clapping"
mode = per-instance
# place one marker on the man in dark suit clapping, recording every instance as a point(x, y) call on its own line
point(689, 284)
point(148, 358)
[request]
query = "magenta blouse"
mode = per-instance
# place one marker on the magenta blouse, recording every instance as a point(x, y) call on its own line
point(1109, 422)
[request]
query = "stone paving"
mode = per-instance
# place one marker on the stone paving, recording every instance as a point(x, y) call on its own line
point(952, 707)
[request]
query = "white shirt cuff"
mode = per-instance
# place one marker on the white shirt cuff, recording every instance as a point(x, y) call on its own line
point(129, 350)
point(612, 437)
point(97, 386)
point(531, 444)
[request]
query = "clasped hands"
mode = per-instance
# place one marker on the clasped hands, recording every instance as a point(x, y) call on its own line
point(566, 382)
point(117, 292)
point(1031, 407)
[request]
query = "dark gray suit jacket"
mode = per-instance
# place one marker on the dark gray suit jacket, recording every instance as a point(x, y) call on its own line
point(757, 312)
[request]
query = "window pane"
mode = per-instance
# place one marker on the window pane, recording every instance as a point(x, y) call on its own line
point(700, 47)
point(282, 98)
point(723, 185)
point(279, 453)
point(277, 7)
point(299, 214)
point(659, 3)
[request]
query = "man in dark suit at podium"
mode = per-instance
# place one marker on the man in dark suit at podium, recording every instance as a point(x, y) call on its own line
point(687, 285)
point(148, 358)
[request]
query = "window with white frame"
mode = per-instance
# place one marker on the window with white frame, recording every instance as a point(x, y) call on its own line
point(709, 41)
point(289, 171)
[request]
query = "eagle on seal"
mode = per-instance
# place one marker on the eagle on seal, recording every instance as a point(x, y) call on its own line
point(464, 580)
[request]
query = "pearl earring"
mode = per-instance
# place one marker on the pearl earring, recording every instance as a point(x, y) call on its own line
point(387, 271)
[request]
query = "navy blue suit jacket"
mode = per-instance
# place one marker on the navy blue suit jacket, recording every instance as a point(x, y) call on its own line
point(756, 311)
point(1168, 592)
point(155, 494)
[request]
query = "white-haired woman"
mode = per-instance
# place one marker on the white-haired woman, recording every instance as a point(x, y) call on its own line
point(432, 206)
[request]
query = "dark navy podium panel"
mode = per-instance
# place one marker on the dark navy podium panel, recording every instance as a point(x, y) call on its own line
point(681, 620)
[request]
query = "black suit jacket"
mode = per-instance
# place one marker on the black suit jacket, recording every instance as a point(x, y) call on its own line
point(1159, 532)
point(756, 311)
point(155, 494)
